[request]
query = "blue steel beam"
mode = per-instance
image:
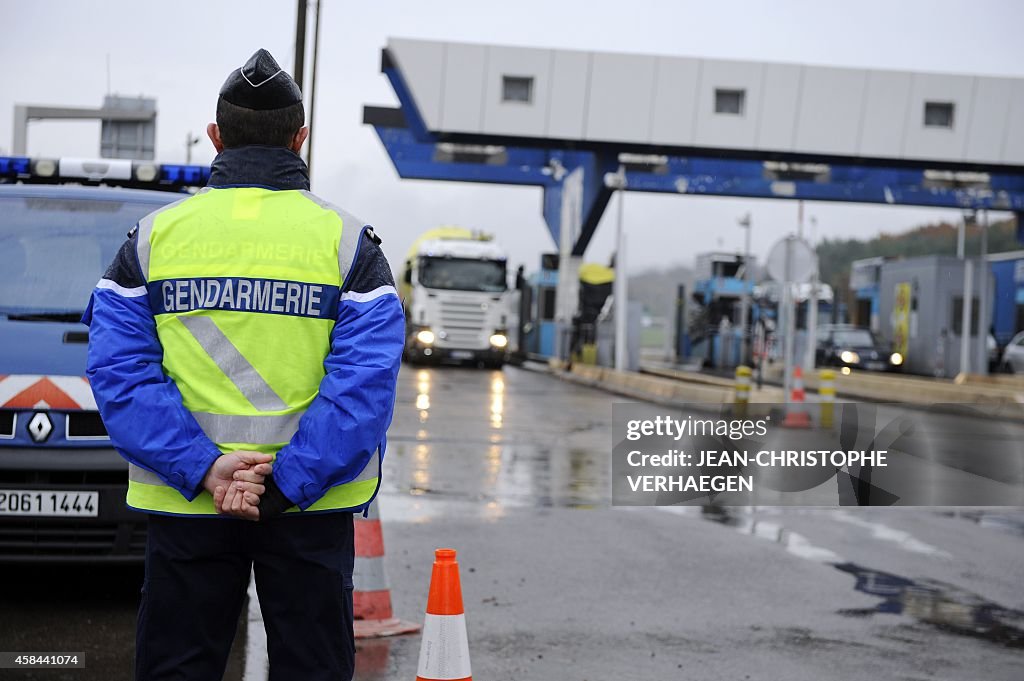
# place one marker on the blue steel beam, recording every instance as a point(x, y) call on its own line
point(416, 159)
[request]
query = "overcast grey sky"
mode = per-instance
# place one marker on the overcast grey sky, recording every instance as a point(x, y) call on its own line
point(55, 52)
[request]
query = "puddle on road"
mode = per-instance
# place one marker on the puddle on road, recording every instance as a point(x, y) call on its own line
point(941, 605)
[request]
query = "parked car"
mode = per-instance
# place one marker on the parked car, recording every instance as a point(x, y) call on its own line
point(1013, 355)
point(845, 345)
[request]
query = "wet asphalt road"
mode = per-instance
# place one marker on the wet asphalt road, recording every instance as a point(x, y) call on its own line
point(511, 468)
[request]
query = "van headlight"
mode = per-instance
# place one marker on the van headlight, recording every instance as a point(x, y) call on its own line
point(849, 357)
point(896, 359)
point(499, 340)
point(425, 336)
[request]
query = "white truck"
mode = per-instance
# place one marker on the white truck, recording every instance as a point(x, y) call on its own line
point(457, 303)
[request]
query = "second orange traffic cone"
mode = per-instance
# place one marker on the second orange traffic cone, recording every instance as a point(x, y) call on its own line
point(371, 599)
point(796, 414)
point(444, 650)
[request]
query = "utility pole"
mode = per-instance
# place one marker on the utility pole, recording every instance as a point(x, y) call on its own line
point(745, 334)
point(312, 94)
point(300, 43)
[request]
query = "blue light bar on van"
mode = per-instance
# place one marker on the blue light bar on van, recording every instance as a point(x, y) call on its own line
point(189, 176)
point(14, 166)
point(107, 171)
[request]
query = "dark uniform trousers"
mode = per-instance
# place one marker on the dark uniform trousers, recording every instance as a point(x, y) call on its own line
point(197, 574)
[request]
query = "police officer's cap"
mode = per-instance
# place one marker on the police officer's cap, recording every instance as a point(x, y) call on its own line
point(261, 84)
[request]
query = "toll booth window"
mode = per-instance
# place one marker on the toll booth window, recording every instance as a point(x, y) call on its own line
point(730, 101)
point(958, 313)
point(938, 115)
point(517, 89)
point(547, 304)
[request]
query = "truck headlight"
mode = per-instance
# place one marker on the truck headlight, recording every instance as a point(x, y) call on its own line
point(499, 340)
point(849, 357)
point(896, 359)
point(425, 336)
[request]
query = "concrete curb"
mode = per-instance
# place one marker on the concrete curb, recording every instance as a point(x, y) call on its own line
point(657, 389)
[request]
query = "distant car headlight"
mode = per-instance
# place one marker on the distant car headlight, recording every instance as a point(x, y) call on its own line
point(896, 359)
point(499, 340)
point(849, 357)
point(425, 336)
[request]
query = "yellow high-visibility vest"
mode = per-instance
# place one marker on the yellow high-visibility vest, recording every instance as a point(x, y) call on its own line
point(231, 272)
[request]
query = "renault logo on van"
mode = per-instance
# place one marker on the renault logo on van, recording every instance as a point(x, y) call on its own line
point(40, 427)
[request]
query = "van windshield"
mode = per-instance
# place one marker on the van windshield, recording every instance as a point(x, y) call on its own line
point(53, 250)
point(463, 274)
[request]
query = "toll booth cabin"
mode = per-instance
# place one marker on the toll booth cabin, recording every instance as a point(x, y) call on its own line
point(538, 327)
point(720, 282)
point(921, 304)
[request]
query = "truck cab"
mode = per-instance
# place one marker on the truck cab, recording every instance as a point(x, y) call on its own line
point(456, 298)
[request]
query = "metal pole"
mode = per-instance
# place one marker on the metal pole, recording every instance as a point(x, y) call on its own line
point(983, 306)
point(812, 307)
point(965, 336)
point(960, 237)
point(300, 42)
point(19, 145)
point(789, 330)
point(965, 317)
point(312, 94)
point(620, 286)
point(745, 300)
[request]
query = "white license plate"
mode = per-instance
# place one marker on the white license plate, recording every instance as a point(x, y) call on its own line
point(49, 502)
point(461, 354)
point(876, 366)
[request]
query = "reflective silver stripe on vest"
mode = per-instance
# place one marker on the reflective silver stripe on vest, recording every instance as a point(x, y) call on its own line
point(270, 429)
point(351, 231)
point(139, 474)
point(372, 470)
point(142, 246)
point(234, 365)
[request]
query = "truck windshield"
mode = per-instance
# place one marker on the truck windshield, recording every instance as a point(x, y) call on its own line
point(54, 250)
point(463, 274)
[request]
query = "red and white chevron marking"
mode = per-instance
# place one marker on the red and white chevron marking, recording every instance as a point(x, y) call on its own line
point(29, 391)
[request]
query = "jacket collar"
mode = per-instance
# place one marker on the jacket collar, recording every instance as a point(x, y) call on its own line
point(259, 166)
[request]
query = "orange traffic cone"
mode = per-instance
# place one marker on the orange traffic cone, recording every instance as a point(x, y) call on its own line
point(796, 414)
point(444, 651)
point(371, 598)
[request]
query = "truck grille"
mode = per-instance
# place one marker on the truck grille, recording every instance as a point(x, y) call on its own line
point(463, 323)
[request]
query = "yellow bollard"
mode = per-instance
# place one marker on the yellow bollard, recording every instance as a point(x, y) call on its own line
point(743, 374)
point(827, 395)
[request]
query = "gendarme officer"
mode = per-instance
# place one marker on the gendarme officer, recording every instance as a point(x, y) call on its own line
point(243, 349)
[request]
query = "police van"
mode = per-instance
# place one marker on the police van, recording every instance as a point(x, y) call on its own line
point(62, 485)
